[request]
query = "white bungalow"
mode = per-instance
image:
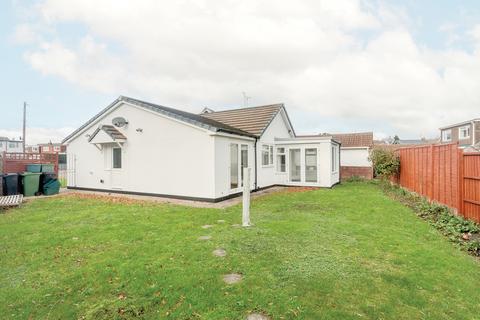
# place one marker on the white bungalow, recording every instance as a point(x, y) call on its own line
point(138, 147)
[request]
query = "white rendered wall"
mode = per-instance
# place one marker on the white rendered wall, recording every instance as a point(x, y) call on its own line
point(277, 129)
point(357, 157)
point(166, 157)
point(325, 177)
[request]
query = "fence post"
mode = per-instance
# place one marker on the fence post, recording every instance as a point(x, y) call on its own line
point(461, 179)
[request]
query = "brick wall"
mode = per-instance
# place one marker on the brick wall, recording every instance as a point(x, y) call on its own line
point(364, 172)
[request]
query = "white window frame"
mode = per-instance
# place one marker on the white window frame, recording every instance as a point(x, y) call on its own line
point(444, 135)
point(278, 155)
point(335, 160)
point(113, 158)
point(463, 129)
point(268, 149)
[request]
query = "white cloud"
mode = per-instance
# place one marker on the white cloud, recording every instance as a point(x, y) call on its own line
point(311, 54)
point(38, 135)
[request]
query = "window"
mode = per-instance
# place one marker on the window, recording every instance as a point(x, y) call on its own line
point(12, 145)
point(56, 148)
point(117, 158)
point(464, 132)
point(45, 149)
point(447, 135)
point(334, 159)
point(311, 165)
point(267, 155)
point(281, 160)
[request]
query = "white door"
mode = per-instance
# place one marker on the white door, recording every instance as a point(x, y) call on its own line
point(117, 168)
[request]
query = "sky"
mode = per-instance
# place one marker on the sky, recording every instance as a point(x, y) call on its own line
point(401, 68)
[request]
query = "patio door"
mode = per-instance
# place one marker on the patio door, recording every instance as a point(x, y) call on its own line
point(295, 165)
point(238, 161)
point(234, 166)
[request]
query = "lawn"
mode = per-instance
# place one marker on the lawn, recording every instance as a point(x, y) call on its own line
point(344, 253)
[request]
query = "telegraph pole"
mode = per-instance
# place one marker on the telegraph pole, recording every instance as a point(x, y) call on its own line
point(24, 123)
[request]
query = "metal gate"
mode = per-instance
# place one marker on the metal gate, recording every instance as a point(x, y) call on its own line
point(67, 175)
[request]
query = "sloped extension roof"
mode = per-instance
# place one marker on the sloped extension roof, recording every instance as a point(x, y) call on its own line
point(184, 116)
point(253, 120)
point(109, 130)
point(359, 139)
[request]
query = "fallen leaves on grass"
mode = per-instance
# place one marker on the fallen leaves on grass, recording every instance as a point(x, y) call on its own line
point(105, 198)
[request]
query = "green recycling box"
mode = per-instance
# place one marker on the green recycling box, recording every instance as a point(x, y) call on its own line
point(51, 187)
point(31, 182)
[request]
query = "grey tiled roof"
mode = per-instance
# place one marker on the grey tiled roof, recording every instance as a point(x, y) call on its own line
point(184, 116)
point(250, 119)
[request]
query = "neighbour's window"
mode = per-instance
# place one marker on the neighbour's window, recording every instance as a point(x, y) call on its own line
point(46, 149)
point(464, 132)
point(12, 145)
point(1, 144)
point(281, 160)
point(447, 135)
point(117, 158)
point(267, 155)
point(56, 148)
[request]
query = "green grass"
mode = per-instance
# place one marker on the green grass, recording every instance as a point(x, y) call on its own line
point(344, 253)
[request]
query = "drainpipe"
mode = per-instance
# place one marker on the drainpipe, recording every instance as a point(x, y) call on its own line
point(255, 161)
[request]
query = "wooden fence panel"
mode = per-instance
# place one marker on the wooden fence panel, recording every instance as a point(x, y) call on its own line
point(17, 162)
point(445, 174)
point(471, 186)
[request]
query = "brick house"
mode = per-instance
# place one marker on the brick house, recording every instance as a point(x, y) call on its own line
point(466, 133)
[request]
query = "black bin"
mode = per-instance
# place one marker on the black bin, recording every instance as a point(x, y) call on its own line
point(11, 184)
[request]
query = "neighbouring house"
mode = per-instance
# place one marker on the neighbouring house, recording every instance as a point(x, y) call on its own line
point(32, 149)
point(137, 147)
point(10, 145)
point(466, 133)
point(354, 154)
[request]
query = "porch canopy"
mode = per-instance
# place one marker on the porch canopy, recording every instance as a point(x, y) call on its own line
point(107, 134)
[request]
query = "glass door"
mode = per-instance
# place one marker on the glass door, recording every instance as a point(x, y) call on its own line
point(233, 166)
point(311, 165)
point(295, 166)
point(243, 159)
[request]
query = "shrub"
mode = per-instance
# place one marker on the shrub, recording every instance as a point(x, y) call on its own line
point(385, 162)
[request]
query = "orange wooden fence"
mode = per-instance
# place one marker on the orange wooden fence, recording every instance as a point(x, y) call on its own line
point(443, 173)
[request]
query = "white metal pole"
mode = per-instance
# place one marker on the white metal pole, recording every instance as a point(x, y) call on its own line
point(246, 197)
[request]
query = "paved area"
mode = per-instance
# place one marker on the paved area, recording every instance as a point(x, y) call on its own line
point(222, 204)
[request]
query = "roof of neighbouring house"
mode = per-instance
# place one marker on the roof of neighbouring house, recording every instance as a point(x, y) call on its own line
point(357, 139)
point(253, 120)
point(184, 116)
